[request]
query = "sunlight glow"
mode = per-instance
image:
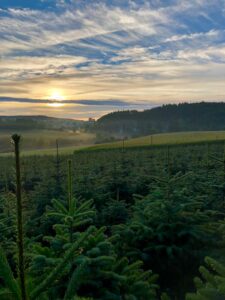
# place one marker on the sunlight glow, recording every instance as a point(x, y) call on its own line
point(56, 97)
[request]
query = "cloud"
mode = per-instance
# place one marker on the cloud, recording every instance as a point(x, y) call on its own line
point(27, 30)
point(159, 51)
point(109, 102)
point(192, 36)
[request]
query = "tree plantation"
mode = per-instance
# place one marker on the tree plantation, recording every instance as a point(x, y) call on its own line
point(116, 224)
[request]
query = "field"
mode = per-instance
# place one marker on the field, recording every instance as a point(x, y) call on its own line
point(154, 209)
point(121, 220)
point(44, 141)
point(165, 139)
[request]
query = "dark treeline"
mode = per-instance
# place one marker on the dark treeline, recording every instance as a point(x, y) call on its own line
point(168, 118)
point(13, 123)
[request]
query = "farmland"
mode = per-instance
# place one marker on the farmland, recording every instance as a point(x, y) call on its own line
point(165, 139)
point(43, 142)
point(154, 209)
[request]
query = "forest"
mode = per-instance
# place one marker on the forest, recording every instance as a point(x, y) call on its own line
point(138, 223)
point(202, 116)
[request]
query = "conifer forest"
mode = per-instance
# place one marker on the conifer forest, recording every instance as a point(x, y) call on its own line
point(131, 224)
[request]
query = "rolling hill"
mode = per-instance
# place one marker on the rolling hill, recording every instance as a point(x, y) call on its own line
point(168, 124)
point(18, 123)
point(167, 118)
point(39, 133)
point(176, 138)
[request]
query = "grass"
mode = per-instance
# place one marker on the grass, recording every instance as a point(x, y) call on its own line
point(43, 142)
point(164, 139)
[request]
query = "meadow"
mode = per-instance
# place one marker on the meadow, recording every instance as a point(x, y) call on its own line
point(165, 139)
point(44, 141)
point(117, 224)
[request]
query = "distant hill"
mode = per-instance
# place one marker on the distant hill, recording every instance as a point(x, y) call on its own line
point(10, 123)
point(204, 116)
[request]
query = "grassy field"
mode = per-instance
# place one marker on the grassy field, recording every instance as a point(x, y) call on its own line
point(44, 141)
point(165, 139)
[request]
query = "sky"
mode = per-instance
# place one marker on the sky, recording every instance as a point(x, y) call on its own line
point(84, 58)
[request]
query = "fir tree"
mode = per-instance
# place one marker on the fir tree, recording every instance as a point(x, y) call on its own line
point(211, 285)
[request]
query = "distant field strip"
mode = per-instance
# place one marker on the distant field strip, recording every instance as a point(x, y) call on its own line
point(43, 143)
point(164, 139)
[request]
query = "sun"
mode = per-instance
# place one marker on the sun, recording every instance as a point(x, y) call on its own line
point(56, 97)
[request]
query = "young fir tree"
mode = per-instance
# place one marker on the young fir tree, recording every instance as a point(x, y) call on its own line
point(23, 286)
point(211, 285)
point(167, 230)
point(96, 271)
point(8, 223)
point(71, 215)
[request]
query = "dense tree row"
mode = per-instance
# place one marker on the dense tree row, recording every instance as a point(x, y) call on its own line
point(167, 118)
point(131, 224)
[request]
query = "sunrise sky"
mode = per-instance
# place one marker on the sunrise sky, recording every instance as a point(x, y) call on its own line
point(80, 59)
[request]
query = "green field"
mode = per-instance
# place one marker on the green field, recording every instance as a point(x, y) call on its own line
point(165, 139)
point(44, 141)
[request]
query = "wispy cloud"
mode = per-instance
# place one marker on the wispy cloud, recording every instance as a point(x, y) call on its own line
point(108, 102)
point(157, 51)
